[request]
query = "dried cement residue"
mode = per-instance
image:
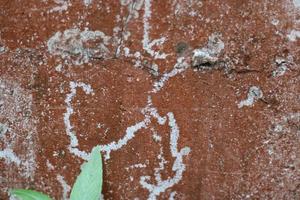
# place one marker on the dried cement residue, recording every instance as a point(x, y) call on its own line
point(207, 56)
point(254, 94)
point(282, 67)
point(296, 3)
point(2, 49)
point(62, 5)
point(133, 7)
point(87, 2)
point(17, 129)
point(10, 157)
point(294, 35)
point(79, 47)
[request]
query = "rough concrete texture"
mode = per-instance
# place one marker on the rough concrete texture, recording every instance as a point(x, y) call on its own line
point(187, 99)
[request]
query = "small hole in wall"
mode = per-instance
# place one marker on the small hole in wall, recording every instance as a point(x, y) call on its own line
point(181, 47)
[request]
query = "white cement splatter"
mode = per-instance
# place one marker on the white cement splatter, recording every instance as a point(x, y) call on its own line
point(135, 166)
point(297, 3)
point(79, 46)
point(2, 49)
point(63, 5)
point(133, 7)
point(254, 94)
point(49, 165)
point(10, 157)
point(172, 196)
point(282, 67)
point(19, 130)
point(87, 2)
point(294, 35)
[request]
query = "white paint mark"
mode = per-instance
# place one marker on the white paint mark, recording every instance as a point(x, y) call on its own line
point(178, 165)
point(79, 46)
point(254, 94)
point(65, 186)
point(293, 35)
point(147, 45)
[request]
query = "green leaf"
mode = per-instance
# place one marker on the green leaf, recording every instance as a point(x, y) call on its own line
point(29, 194)
point(88, 184)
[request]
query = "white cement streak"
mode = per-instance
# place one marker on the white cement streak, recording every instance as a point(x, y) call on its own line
point(147, 44)
point(149, 112)
point(294, 35)
point(178, 165)
point(130, 134)
point(63, 5)
point(66, 188)
point(113, 146)
point(69, 128)
point(9, 156)
point(87, 2)
point(179, 67)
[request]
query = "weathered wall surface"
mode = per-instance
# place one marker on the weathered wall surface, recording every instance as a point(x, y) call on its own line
point(187, 99)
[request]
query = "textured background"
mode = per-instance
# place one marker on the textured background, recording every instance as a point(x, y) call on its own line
point(188, 99)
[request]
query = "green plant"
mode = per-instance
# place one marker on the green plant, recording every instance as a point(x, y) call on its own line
point(88, 184)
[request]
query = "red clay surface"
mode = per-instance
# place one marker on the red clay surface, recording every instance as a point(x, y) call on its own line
point(120, 74)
